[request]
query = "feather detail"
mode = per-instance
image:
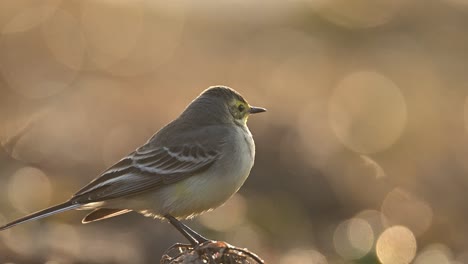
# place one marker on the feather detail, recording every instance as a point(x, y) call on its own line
point(148, 170)
point(43, 213)
point(103, 213)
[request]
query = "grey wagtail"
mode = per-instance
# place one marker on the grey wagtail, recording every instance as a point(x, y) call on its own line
point(192, 165)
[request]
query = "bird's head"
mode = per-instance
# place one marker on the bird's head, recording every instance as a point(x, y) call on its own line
point(225, 104)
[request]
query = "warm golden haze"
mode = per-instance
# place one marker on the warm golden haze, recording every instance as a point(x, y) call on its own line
point(365, 141)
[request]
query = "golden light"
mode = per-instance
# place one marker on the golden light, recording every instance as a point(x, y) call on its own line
point(284, 64)
point(29, 189)
point(16, 130)
point(19, 240)
point(298, 256)
point(375, 219)
point(111, 30)
point(247, 235)
point(64, 38)
point(229, 216)
point(128, 39)
point(305, 72)
point(367, 112)
point(62, 238)
point(25, 15)
point(465, 114)
point(435, 254)
point(402, 208)
point(353, 238)
point(104, 248)
point(51, 134)
point(317, 139)
point(358, 106)
point(120, 141)
point(358, 13)
point(396, 245)
point(20, 55)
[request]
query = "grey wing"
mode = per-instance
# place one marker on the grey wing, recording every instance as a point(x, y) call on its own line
point(145, 169)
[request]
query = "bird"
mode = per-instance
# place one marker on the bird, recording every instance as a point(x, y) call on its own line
point(192, 165)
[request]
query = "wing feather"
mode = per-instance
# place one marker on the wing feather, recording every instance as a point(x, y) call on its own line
point(147, 169)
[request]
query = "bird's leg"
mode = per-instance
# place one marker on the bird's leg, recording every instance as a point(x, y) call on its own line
point(193, 237)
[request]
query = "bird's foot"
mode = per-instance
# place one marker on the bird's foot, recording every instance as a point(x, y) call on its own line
point(193, 237)
point(209, 251)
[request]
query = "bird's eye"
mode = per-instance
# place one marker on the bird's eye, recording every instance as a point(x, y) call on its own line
point(241, 107)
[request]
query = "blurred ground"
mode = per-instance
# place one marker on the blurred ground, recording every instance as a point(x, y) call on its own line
point(361, 158)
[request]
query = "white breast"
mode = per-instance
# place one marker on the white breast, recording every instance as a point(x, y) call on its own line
point(209, 190)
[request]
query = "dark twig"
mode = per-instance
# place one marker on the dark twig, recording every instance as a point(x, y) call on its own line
point(209, 252)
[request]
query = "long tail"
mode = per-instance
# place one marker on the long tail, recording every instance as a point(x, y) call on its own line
point(43, 213)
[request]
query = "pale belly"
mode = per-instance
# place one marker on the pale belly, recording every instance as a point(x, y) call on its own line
point(200, 193)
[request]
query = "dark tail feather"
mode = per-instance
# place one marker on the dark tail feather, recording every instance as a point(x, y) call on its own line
point(41, 214)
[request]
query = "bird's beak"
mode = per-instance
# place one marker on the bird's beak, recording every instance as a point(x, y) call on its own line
point(256, 110)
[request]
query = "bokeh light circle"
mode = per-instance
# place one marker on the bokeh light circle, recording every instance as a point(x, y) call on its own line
point(63, 238)
point(14, 130)
point(435, 254)
point(28, 68)
point(402, 208)
point(111, 30)
point(315, 135)
point(65, 40)
point(303, 256)
point(19, 240)
point(367, 112)
point(376, 220)
point(353, 238)
point(247, 235)
point(29, 189)
point(126, 39)
point(396, 245)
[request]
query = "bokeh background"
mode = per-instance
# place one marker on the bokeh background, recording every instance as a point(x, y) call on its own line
point(361, 158)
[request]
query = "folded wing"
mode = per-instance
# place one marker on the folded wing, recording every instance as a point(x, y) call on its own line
point(147, 169)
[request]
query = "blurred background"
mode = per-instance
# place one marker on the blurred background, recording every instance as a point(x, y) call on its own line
point(361, 158)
